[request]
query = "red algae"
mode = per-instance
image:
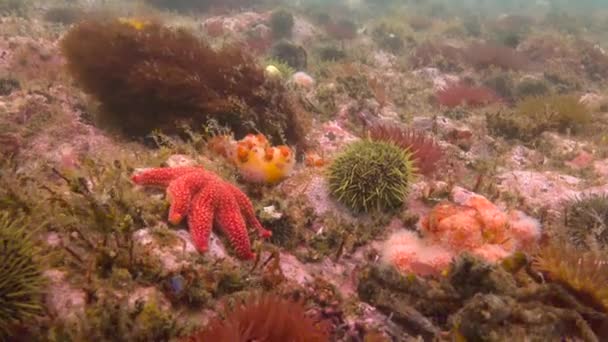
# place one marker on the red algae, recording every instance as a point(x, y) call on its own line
point(458, 94)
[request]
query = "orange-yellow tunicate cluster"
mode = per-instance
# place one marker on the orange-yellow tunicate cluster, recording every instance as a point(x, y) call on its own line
point(476, 226)
point(256, 160)
point(136, 23)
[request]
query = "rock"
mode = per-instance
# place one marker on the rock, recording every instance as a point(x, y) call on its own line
point(53, 240)
point(62, 299)
point(383, 59)
point(10, 144)
point(559, 146)
point(147, 294)
point(601, 168)
point(593, 102)
point(294, 270)
point(303, 31)
point(443, 126)
point(332, 138)
point(319, 196)
point(461, 137)
point(174, 249)
point(539, 189)
point(521, 157)
point(439, 79)
point(177, 160)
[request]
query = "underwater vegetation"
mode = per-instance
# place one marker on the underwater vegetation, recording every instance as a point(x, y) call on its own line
point(460, 94)
point(564, 111)
point(21, 280)
point(109, 319)
point(584, 273)
point(264, 317)
point(291, 54)
point(15, 7)
point(154, 77)
point(474, 301)
point(205, 198)
point(534, 115)
point(586, 221)
point(442, 56)
point(322, 115)
point(487, 55)
point(389, 36)
point(371, 176)
point(197, 5)
point(340, 29)
point(65, 15)
point(426, 152)
point(281, 24)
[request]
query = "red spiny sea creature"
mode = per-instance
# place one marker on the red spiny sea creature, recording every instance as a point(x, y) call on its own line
point(204, 197)
point(426, 152)
point(457, 94)
point(264, 318)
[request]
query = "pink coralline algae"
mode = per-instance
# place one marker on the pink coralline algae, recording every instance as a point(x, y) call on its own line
point(475, 225)
point(204, 198)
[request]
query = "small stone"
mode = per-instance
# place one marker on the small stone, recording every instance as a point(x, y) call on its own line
point(177, 160)
point(593, 102)
point(63, 300)
point(272, 212)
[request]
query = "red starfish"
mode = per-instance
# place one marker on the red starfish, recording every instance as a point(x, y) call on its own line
point(203, 196)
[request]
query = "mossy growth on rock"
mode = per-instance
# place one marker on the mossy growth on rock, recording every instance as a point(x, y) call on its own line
point(186, 6)
point(342, 237)
point(561, 111)
point(8, 85)
point(584, 274)
point(14, 7)
point(390, 36)
point(149, 77)
point(109, 319)
point(478, 300)
point(371, 176)
point(65, 15)
point(534, 115)
point(21, 280)
point(291, 54)
point(529, 87)
point(281, 23)
point(587, 221)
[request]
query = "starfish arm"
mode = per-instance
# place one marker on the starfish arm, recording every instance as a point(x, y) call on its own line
point(180, 192)
point(200, 219)
point(247, 210)
point(231, 222)
point(162, 176)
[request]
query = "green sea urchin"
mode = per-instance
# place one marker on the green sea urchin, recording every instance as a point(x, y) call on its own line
point(20, 276)
point(587, 221)
point(371, 175)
